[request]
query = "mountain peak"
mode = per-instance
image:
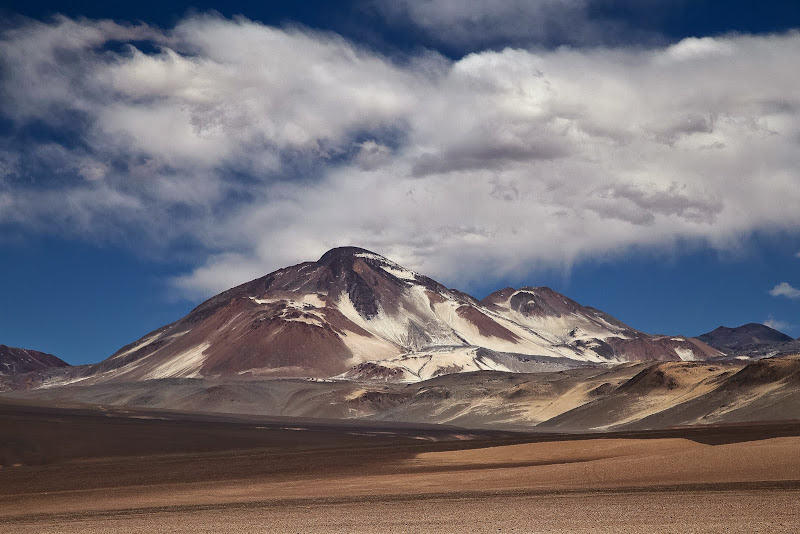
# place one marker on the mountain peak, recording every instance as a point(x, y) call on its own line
point(342, 253)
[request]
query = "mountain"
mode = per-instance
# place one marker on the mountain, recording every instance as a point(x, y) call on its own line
point(15, 361)
point(587, 329)
point(20, 368)
point(357, 314)
point(741, 336)
point(751, 340)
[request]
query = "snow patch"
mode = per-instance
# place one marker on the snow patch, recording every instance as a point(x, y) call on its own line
point(428, 364)
point(402, 274)
point(366, 348)
point(687, 355)
point(311, 299)
point(138, 346)
point(300, 311)
point(370, 256)
point(390, 267)
point(185, 365)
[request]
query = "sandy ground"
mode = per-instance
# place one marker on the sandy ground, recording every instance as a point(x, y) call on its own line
point(212, 476)
point(702, 511)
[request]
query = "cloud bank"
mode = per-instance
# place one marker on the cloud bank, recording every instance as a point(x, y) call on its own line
point(258, 147)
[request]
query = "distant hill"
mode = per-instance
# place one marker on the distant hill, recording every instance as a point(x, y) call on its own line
point(15, 361)
point(24, 368)
point(741, 336)
point(752, 340)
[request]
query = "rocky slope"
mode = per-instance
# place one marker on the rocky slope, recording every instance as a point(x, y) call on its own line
point(357, 314)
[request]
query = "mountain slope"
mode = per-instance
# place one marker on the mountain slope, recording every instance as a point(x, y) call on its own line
point(357, 313)
point(588, 329)
point(693, 393)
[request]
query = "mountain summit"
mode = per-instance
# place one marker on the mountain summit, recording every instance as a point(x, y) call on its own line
point(358, 314)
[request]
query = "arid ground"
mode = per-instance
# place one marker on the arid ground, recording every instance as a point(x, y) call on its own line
point(96, 470)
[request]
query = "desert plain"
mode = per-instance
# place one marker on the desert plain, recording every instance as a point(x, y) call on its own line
point(101, 469)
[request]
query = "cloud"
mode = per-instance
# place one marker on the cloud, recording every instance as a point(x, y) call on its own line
point(257, 147)
point(784, 289)
point(777, 324)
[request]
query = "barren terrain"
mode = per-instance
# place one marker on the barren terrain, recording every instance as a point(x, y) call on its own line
point(91, 470)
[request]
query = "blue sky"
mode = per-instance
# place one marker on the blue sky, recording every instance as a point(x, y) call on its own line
point(640, 157)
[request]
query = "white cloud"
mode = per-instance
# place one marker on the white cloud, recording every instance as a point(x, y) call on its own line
point(784, 289)
point(264, 147)
point(777, 324)
point(693, 48)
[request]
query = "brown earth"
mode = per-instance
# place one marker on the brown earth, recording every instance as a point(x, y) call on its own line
point(90, 470)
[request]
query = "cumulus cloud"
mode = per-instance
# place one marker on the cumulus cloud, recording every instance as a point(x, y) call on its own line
point(784, 289)
point(261, 147)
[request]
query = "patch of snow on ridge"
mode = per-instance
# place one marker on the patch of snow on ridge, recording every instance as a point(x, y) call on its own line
point(403, 274)
point(308, 299)
point(445, 360)
point(138, 346)
point(687, 355)
point(185, 365)
point(51, 383)
point(382, 325)
point(364, 348)
point(302, 309)
point(370, 256)
point(391, 267)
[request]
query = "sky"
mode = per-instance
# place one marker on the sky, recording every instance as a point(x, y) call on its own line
point(639, 156)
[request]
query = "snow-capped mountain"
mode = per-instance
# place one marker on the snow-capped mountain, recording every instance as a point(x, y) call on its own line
point(357, 314)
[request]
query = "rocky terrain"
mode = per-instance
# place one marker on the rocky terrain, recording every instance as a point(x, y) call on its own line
point(625, 396)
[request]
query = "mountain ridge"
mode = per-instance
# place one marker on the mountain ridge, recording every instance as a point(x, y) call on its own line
point(354, 310)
